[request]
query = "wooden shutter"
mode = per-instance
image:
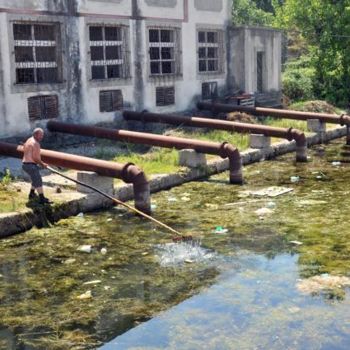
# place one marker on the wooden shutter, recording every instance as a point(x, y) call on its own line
point(111, 100)
point(43, 107)
point(165, 96)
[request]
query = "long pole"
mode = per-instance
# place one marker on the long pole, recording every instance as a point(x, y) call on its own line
point(115, 200)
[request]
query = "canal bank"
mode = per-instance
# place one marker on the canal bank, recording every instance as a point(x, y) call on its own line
point(70, 202)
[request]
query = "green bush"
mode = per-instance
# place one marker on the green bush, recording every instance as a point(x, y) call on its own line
point(297, 80)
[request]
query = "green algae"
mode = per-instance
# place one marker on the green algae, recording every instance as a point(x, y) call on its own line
point(43, 274)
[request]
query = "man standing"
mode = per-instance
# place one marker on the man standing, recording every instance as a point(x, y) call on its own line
point(30, 164)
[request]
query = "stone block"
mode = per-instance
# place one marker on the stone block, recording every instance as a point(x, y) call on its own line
point(315, 125)
point(191, 158)
point(259, 141)
point(103, 183)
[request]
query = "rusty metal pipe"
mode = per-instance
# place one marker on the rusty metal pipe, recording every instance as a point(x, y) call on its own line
point(289, 134)
point(276, 113)
point(222, 149)
point(129, 173)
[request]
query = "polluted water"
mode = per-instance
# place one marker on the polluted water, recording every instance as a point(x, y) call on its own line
point(173, 254)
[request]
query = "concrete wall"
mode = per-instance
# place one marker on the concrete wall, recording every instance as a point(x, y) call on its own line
point(78, 94)
point(244, 44)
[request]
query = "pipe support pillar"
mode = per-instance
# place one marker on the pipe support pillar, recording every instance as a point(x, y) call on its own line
point(317, 126)
point(259, 141)
point(192, 159)
point(103, 183)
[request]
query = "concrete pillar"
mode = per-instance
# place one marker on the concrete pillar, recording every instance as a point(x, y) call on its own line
point(259, 141)
point(315, 125)
point(102, 183)
point(142, 197)
point(191, 158)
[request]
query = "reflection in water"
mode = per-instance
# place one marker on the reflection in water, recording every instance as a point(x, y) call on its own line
point(241, 294)
point(257, 307)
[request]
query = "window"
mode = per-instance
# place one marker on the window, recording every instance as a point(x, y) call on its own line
point(209, 90)
point(43, 107)
point(108, 52)
point(210, 51)
point(111, 100)
point(165, 96)
point(36, 57)
point(163, 51)
point(259, 71)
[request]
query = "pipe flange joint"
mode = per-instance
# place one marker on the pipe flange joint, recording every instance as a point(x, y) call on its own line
point(125, 172)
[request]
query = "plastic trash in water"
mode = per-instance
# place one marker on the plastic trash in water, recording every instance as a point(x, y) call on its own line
point(84, 248)
point(153, 206)
point(271, 205)
point(294, 179)
point(336, 163)
point(109, 220)
point(296, 242)
point(80, 215)
point(220, 230)
point(103, 251)
point(86, 295)
point(172, 199)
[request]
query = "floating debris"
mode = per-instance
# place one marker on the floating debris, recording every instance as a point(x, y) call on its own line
point(271, 205)
point(272, 191)
point(92, 282)
point(172, 199)
point(220, 230)
point(84, 248)
point(86, 295)
point(263, 211)
point(294, 179)
point(317, 284)
point(336, 163)
point(80, 215)
point(296, 242)
point(109, 220)
point(69, 261)
point(177, 253)
point(185, 199)
point(103, 251)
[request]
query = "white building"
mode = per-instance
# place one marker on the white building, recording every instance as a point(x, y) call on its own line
point(84, 60)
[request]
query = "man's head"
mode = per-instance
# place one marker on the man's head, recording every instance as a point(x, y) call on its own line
point(38, 134)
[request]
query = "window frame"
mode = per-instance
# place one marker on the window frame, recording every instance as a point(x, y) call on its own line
point(123, 61)
point(33, 43)
point(206, 45)
point(176, 45)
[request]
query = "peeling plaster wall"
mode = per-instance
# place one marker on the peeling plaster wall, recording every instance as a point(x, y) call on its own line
point(79, 95)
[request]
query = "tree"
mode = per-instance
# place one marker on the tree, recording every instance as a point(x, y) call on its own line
point(326, 27)
point(246, 12)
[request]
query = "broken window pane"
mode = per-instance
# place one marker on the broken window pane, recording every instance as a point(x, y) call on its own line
point(45, 53)
point(25, 75)
point(202, 52)
point(201, 37)
point(98, 72)
point(154, 53)
point(46, 75)
point(167, 53)
point(24, 54)
point(113, 53)
point(212, 65)
point(167, 67)
point(96, 53)
point(113, 71)
point(202, 65)
point(113, 34)
point(22, 32)
point(44, 32)
point(212, 52)
point(95, 33)
point(155, 67)
point(153, 35)
point(166, 36)
point(212, 37)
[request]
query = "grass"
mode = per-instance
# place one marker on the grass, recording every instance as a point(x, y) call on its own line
point(158, 161)
point(11, 200)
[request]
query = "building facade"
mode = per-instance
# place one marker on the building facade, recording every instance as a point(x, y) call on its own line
point(85, 60)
